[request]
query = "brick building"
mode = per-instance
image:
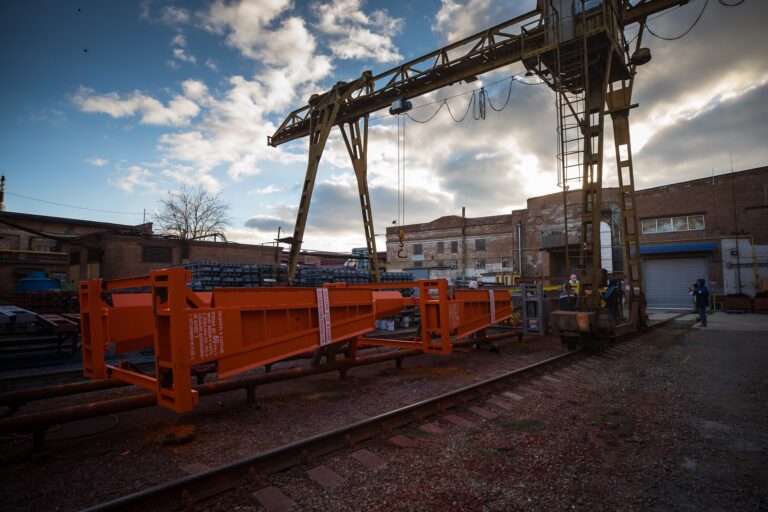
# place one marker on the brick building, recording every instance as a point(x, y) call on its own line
point(716, 228)
point(114, 256)
point(72, 249)
point(31, 243)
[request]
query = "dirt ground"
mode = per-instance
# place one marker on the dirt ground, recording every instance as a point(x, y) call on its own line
point(136, 450)
point(676, 422)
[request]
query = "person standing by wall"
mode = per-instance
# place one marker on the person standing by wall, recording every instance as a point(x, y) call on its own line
point(701, 293)
point(611, 299)
point(567, 298)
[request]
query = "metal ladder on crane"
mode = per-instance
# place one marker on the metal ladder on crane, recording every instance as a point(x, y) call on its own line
point(580, 138)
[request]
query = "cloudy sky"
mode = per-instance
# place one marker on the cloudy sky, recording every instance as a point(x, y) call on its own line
point(106, 106)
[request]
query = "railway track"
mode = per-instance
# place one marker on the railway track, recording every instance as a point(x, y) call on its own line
point(478, 400)
point(37, 423)
point(410, 414)
point(188, 491)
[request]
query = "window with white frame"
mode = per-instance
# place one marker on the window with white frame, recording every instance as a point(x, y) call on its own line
point(480, 263)
point(454, 264)
point(672, 224)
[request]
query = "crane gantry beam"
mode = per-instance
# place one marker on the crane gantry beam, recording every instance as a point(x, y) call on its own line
point(480, 53)
point(518, 39)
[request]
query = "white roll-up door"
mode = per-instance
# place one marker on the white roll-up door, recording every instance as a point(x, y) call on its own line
point(667, 281)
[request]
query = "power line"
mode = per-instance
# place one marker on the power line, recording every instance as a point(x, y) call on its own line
point(71, 206)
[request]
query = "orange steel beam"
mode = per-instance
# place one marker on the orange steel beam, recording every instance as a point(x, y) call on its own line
point(237, 329)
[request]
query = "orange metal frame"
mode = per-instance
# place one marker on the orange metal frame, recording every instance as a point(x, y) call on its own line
point(447, 316)
point(237, 329)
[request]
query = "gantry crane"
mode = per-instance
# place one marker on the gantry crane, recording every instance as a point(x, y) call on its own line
point(578, 48)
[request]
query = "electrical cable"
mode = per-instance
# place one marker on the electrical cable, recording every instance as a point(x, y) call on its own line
point(695, 22)
point(726, 4)
point(478, 108)
point(71, 206)
point(469, 105)
point(509, 95)
point(477, 102)
point(442, 102)
point(659, 15)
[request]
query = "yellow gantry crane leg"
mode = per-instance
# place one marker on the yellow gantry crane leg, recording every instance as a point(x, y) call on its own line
point(323, 115)
point(357, 147)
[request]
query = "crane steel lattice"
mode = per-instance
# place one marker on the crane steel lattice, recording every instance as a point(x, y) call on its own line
point(542, 48)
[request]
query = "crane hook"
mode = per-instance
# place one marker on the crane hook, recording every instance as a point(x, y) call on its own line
point(401, 236)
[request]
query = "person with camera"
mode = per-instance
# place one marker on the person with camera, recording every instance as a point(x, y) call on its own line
point(700, 294)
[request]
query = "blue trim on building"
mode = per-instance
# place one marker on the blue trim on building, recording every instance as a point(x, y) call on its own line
point(676, 248)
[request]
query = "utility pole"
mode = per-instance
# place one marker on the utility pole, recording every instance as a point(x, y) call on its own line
point(735, 226)
point(2, 193)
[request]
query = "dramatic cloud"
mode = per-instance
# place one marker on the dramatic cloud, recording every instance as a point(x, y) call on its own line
point(179, 111)
point(179, 52)
point(269, 189)
point(700, 97)
point(458, 19)
point(288, 48)
point(266, 223)
point(172, 15)
point(96, 161)
point(357, 35)
point(134, 177)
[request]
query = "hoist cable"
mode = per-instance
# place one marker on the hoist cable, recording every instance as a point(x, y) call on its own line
point(398, 171)
point(403, 171)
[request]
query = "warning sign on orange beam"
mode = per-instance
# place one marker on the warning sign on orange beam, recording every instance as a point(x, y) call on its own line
point(206, 334)
point(453, 315)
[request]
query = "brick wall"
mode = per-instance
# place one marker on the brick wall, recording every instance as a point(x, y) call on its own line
point(26, 232)
point(452, 244)
point(122, 256)
point(543, 216)
point(714, 198)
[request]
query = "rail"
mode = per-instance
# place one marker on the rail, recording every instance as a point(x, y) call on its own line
point(203, 485)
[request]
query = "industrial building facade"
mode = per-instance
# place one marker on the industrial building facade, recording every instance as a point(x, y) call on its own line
point(71, 249)
point(715, 228)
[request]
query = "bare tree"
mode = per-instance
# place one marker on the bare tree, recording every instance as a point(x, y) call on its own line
point(191, 213)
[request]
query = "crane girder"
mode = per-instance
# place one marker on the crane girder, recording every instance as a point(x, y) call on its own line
point(488, 50)
point(485, 51)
